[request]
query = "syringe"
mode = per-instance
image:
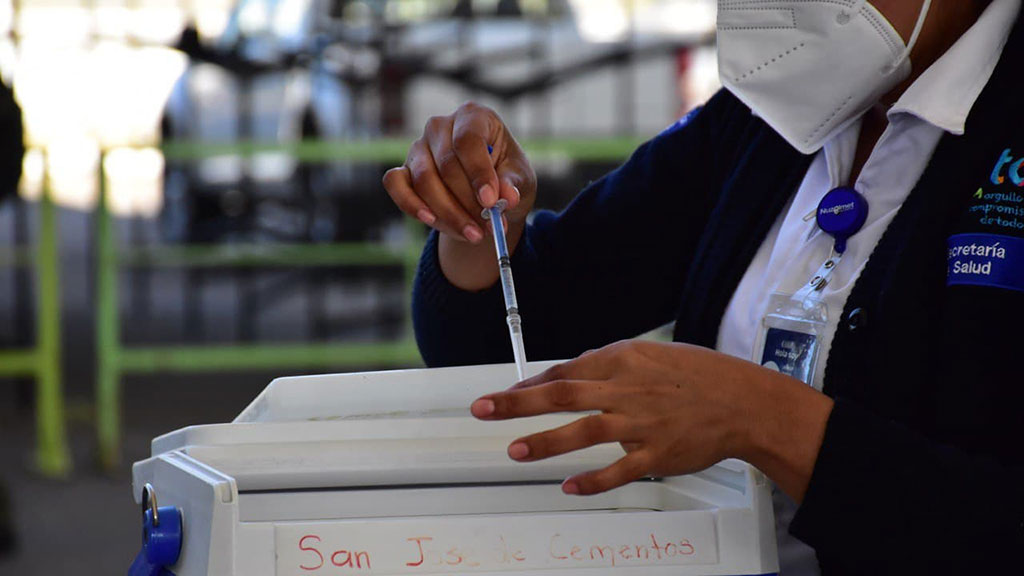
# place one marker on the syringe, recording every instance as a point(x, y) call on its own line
point(515, 323)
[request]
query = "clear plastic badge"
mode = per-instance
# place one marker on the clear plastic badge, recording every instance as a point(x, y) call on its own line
point(790, 335)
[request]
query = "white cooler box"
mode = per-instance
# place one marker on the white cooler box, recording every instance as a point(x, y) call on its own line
point(386, 473)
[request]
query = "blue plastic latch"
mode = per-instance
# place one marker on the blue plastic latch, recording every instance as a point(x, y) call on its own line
point(161, 543)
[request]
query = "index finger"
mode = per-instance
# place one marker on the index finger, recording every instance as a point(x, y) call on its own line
point(475, 130)
point(557, 396)
point(592, 365)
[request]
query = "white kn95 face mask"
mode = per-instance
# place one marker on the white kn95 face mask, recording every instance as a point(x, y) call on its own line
point(809, 68)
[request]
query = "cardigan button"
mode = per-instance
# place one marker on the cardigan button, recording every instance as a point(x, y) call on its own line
point(857, 318)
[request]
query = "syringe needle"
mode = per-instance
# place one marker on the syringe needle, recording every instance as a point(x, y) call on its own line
point(515, 326)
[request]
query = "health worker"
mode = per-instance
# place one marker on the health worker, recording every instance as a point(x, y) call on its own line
point(838, 237)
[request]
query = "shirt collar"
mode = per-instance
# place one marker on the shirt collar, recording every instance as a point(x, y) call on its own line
point(962, 72)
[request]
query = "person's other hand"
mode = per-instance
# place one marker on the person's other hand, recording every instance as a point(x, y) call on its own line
point(449, 177)
point(676, 409)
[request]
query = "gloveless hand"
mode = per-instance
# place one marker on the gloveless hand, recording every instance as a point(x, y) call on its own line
point(449, 175)
point(675, 408)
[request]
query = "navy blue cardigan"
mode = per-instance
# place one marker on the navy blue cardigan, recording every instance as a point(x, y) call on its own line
point(922, 466)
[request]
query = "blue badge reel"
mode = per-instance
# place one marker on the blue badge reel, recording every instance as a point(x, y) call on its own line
point(792, 328)
point(841, 214)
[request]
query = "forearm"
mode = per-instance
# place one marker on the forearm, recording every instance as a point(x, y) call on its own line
point(635, 229)
point(784, 430)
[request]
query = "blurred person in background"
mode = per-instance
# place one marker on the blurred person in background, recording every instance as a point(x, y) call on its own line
point(12, 151)
point(894, 436)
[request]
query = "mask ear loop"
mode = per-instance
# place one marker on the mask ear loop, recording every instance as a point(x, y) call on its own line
point(921, 18)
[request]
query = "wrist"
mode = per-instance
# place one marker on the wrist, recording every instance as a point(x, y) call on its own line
point(473, 267)
point(784, 430)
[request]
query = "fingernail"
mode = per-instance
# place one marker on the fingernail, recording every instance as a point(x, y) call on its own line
point(482, 408)
point(426, 216)
point(472, 233)
point(487, 195)
point(570, 487)
point(518, 451)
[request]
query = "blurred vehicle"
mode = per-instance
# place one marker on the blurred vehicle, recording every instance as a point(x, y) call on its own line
point(290, 70)
point(262, 81)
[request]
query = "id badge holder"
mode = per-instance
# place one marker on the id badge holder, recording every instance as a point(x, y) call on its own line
point(790, 335)
point(792, 329)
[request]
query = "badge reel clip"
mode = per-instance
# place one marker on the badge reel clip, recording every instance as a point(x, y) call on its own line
point(790, 336)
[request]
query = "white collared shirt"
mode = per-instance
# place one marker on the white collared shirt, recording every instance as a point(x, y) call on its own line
point(938, 102)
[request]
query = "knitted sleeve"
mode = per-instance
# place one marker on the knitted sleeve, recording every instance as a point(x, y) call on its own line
point(610, 266)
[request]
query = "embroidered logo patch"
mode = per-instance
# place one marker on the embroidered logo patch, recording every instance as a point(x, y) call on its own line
point(998, 207)
point(998, 210)
point(992, 260)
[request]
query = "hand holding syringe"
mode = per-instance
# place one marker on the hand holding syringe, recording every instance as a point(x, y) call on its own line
point(508, 289)
point(452, 168)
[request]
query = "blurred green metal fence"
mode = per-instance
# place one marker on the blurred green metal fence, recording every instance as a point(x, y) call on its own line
point(116, 359)
point(43, 361)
